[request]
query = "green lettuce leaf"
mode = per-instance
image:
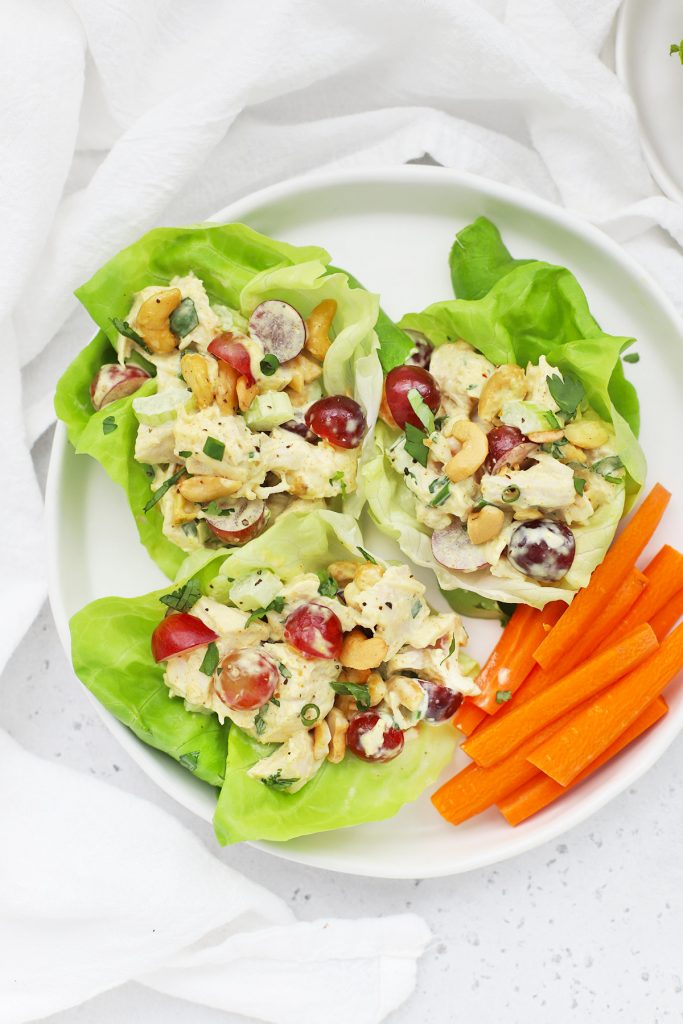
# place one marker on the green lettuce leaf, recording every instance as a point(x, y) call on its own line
point(124, 677)
point(239, 268)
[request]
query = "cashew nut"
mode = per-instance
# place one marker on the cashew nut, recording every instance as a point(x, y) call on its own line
point(338, 725)
point(342, 572)
point(485, 524)
point(182, 510)
point(304, 371)
point(152, 320)
point(202, 489)
point(527, 515)
point(475, 448)
point(505, 385)
point(545, 436)
point(225, 388)
point(195, 371)
point(321, 740)
point(572, 454)
point(245, 394)
point(360, 651)
point(408, 691)
point(587, 433)
point(377, 689)
point(317, 328)
point(346, 705)
point(354, 675)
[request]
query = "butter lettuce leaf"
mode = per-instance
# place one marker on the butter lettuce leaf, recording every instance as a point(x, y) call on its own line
point(124, 677)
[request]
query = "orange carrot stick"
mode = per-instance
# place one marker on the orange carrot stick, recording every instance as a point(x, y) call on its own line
point(513, 657)
point(587, 733)
point(540, 791)
point(665, 578)
point(667, 618)
point(474, 789)
point(613, 570)
point(496, 739)
point(468, 717)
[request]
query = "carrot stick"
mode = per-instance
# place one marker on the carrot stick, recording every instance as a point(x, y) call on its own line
point(540, 791)
point(667, 618)
point(468, 717)
point(665, 578)
point(513, 657)
point(612, 571)
point(498, 738)
point(586, 734)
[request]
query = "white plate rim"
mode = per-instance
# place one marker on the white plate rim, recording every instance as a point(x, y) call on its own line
point(657, 740)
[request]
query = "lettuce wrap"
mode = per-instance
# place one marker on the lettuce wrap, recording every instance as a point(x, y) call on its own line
point(122, 674)
point(239, 268)
point(515, 311)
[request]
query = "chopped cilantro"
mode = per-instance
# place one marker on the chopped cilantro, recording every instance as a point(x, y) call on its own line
point(190, 760)
point(275, 701)
point(360, 693)
point(124, 328)
point(339, 478)
point(367, 556)
point(579, 484)
point(184, 455)
point(503, 696)
point(109, 424)
point(328, 585)
point(210, 660)
point(632, 357)
point(415, 610)
point(275, 781)
point(451, 650)
point(677, 48)
point(421, 409)
point(276, 605)
point(441, 495)
point(269, 364)
point(214, 509)
point(259, 721)
point(284, 671)
point(184, 598)
point(214, 449)
point(415, 445)
point(568, 392)
point(161, 491)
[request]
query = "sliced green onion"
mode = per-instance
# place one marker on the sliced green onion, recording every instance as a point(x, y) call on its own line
point(442, 496)
point(109, 424)
point(210, 660)
point(214, 449)
point(510, 494)
point(161, 491)
point(124, 328)
point(269, 364)
point(184, 318)
point(310, 713)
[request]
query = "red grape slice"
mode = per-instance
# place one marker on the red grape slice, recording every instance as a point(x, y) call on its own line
point(299, 428)
point(543, 549)
point(453, 548)
point(113, 381)
point(279, 327)
point(315, 631)
point(442, 703)
point(399, 382)
point(247, 679)
point(337, 419)
point(508, 446)
point(229, 350)
point(421, 354)
point(180, 632)
point(392, 741)
point(246, 519)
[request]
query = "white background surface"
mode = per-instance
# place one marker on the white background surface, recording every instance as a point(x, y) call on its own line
point(586, 928)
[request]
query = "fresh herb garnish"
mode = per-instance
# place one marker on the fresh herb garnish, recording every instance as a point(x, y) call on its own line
point(606, 467)
point(339, 478)
point(568, 392)
point(210, 660)
point(632, 357)
point(451, 650)
point(269, 364)
point(441, 495)
point(503, 696)
point(276, 605)
point(367, 556)
point(507, 610)
point(190, 760)
point(109, 424)
point(184, 455)
point(579, 484)
point(415, 610)
point(214, 509)
point(510, 494)
point(555, 448)
point(284, 671)
point(275, 701)
point(309, 714)
point(184, 598)
point(184, 318)
point(275, 781)
point(677, 48)
point(360, 693)
point(259, 721)
point(214, 448)
point(124, 328)
point(421, 409)
point(328, 585)
point(189, 529)
point(415, 445)
point(161, 491)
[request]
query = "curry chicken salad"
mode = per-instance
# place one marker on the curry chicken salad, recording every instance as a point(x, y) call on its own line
point(504, 462)
point(348, 660)
point(240, 426)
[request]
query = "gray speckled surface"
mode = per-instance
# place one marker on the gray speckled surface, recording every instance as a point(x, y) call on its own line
point(585, 928)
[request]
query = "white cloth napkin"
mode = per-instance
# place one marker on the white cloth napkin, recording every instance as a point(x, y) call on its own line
point(116, 116)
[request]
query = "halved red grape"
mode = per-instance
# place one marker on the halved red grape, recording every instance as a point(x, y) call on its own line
point(229, 350)
point(391, 741)
point(279, 327)
point(508, 446)
point(180, 632)
point(421, 355)
point(315, 631)
point(247, 679)
point(543, 549)
point(113, 381)
point(299, 428)
point(337, 419)
point(399, 382)
point(244, 520)
point(442, 703)
point(453, 548)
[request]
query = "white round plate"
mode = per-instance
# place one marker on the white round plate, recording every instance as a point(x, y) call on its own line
point(393, 230)
point(645, 31)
